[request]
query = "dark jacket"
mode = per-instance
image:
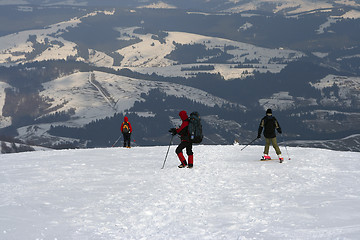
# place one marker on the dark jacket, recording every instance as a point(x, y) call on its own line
point(269, 124)
point(183, 129)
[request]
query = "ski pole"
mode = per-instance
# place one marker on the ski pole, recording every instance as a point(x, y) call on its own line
point(172, 136)
point(249, 144)
point(287, 152)
point(116, 141)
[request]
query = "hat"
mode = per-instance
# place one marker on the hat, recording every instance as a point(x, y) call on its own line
point(183, 115)
point(268, 111)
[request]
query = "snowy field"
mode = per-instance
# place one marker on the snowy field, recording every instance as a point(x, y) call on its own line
point(118, 193)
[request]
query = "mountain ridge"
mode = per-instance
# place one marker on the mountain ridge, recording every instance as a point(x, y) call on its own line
point(289, 7)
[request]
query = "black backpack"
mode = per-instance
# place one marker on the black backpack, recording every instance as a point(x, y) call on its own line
point(195, 128)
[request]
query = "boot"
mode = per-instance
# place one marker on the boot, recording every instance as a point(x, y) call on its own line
point(266, 157)
point(280, 158)
point(182, 160)
point(191, 161)
point(182, 165)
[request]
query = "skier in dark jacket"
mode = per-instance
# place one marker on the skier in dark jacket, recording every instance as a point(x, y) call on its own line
point(270, 124)
point(126, 130)
point(185, 141)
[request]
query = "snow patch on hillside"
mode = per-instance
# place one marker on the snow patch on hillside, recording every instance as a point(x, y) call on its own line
point(4, 121)
point(335, 91)
point(159, 5)
point(343, 90)
point(320, 54)
point(67, 3)
point(227, 71)
point(278, 101)
point(283, 100)
point(245, 26)
point(294, 7)
point(39, 133)
point(100, 59)
point(148, 56)
point(98, 95)
point(13, 2)
point(351, 14)
point(352, 3)
point(15, 48)
point(298, 6)
point(322, 28)
point(147, 53)
point(349, 143)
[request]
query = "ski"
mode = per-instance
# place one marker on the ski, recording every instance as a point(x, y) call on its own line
point(263, 160)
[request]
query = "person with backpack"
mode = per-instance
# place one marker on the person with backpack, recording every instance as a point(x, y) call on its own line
point(186, 142)
point(126, 130)
point(269, 124)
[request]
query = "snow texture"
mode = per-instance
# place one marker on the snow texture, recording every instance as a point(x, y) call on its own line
point(159, 5)
point(112, 94)
point(299, 6)
point(14, 47)
point(147, 56)
point(4, 121)
point(118, 193)
point(96, 95)
point(12, 2)
point(142, 58)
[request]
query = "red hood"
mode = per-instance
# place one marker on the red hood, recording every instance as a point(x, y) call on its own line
point(126, 119)
point(183, 115)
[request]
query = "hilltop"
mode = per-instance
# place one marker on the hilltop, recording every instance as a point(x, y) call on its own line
point(118, 193)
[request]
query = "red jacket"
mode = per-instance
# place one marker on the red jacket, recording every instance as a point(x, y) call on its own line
point(183, 129)
point(126, 120)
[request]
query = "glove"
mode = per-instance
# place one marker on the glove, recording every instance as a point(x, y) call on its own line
point(279, 130)
point(173, 131)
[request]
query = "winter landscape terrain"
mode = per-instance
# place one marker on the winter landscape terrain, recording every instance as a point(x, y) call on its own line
point(116, 193)
point(74, 69)
point(71, 70)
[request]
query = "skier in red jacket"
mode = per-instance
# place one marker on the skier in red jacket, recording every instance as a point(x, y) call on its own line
point(185, 141)
point(126, 130)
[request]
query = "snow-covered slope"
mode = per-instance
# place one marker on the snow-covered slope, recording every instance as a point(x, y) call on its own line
point(97, 95)
point(4, 121)
point(145, 59)
point(295, 6)
point(89, 96)
point(146, 56)
point(346, 92)
point(41, 44)
point(348, 143)
point(158, 5)
point(291, 6)
point(341, 91)
point(123, 194)
point(172, 49)
point(12, 147)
